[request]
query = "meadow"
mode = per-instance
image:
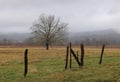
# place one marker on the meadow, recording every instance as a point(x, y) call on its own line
point(49, 65)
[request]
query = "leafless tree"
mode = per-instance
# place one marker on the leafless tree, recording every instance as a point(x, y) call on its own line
point(49, 30)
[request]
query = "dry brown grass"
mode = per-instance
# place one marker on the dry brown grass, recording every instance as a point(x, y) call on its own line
point(16, 55)
point(48, 65)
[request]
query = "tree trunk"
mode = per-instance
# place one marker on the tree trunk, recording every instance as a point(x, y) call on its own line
point(47, 46)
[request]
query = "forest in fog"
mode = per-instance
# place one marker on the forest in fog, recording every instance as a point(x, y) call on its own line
point(109, 37)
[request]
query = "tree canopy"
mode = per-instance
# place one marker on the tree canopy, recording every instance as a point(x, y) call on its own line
point(49, 30)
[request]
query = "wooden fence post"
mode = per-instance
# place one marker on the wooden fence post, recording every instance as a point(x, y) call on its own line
point(25, 62)
point(102, 52)
point(74, 55)
point(67, 52)
point(70, 56)
point(82, 55)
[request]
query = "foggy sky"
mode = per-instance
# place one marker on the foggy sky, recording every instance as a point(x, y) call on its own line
point(81, 15)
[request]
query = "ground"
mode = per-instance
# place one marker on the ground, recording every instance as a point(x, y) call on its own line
point(49, 65)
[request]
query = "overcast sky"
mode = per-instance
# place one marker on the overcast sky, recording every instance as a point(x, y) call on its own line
point(81, 15)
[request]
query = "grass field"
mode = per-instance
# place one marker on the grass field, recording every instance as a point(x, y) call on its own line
point(48, 65)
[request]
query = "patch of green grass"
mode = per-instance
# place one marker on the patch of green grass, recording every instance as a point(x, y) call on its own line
point(48, 66)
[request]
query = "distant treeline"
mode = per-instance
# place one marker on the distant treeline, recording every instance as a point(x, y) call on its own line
point(86, 41)
point(108, 37)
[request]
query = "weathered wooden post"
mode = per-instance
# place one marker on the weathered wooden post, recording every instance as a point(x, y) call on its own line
point(102, 52)
point(82, 55)
point(67, 52)
point(74, 55)
point(70, 56)
point(26, 62)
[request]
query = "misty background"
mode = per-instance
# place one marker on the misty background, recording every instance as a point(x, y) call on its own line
point(89, 21)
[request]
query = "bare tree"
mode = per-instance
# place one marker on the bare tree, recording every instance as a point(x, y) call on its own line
point(49, 30)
